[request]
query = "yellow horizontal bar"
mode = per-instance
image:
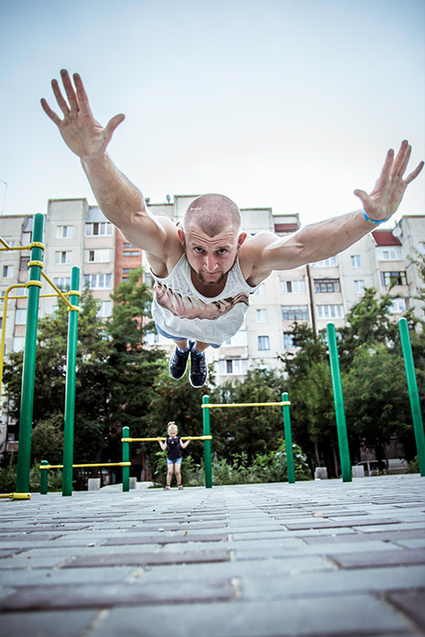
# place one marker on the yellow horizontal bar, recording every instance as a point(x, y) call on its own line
point(209, 406)
point(16, 496)
point(156, 439)
point(100, 464)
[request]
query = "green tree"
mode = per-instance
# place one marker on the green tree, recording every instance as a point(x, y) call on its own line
point(49, 386)
point(376, 399)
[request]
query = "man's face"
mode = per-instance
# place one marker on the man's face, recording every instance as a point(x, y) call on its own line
point(211, 257)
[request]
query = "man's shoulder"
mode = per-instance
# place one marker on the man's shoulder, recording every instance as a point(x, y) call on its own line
point(250, 257)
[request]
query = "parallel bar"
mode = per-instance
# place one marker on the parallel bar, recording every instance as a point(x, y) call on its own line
point(210, 406)
point(71, 363)
point(207, 443)
point(28, 368)
point(344, 452)
point(415, 404)
point(99, 464)
point(125, 459)
point(156, 439)
point(288, 439)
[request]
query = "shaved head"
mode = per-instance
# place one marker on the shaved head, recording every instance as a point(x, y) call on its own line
point(213, 214)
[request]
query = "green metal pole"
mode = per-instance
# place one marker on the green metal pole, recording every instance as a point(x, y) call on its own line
point(207, 443)
point(344, 452)
point(71, 362)
point(28, 369)
point(44, 477)
point(413, 393)
point(126, 458)
point(288, 440)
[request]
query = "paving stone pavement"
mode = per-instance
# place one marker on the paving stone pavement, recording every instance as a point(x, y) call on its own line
point(312, 559)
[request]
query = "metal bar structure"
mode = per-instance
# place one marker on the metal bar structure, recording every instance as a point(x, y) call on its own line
point(46, 466)
point(71, 362)
point(344, 452)
point(28, 370)
point(288, 439)
point(156, 439)
point(206, 406)
point(126, 458)
point(207, 443)
point(412, 385)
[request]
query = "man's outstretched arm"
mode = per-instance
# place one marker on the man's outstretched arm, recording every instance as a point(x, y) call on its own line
point(121, 202)
point(327, 238)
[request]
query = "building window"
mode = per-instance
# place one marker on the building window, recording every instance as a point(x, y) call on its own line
point(326, 263)
point(105, 309)
point(232, 366)
point(359, 287)
point(238, 340)
point(99, 256)
point(288, 340)
point(62, 282)
point(263, 343)
point(131, 253)
point(64, 232)
point(62, 257)
point(21, 317)
point(294, 312)
point(329, 311)
point(398, 306)
point(98, 229)
point(326, 285)
point(262, 316)
point(148, 279)
point(292, 287)
point(389, 253)
point(18, 343)
point(98, 281)
point(356, 261)
point(23, 263)
point(393, 278)
point(7, 271)
point(261, 290)
point(421, 247)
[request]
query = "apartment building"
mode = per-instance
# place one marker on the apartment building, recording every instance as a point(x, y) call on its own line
point(77, 234)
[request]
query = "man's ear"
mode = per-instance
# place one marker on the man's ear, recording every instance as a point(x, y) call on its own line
point(241, 238)
point(181, 236)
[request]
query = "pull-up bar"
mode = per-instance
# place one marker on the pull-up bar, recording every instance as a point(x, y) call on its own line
point(206, 406)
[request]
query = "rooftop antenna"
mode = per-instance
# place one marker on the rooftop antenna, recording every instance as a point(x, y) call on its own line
point(4, 198)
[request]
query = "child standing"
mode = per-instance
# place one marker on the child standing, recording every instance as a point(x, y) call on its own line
point(173, 445)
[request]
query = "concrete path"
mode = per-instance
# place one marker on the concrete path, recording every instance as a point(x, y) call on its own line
point(321, 558)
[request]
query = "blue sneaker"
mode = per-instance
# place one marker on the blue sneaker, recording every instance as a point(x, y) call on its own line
point(178, 363)
point(198, 369)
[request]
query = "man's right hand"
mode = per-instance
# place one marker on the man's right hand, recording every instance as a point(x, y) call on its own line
point(80, 131)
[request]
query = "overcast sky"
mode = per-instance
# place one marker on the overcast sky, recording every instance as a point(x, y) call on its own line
point(289, 104)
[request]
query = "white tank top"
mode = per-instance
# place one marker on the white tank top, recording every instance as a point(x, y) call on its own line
point(180, 310)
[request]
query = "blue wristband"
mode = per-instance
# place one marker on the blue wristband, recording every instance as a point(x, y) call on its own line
point(376, 223)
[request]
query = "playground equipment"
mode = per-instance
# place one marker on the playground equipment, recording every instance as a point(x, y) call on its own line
point(28, 372)
point(45, 466)
point(206, 406)
point(344, 452)
point(16, 496)
point(339, 401)
point(126, 451)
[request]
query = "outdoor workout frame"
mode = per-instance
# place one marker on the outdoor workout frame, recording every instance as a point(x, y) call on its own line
point(206, 406)
point(126, 452)
point(28, 370)
point(339, 400)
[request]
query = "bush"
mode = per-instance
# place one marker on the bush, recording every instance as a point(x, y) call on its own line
point(8, 477)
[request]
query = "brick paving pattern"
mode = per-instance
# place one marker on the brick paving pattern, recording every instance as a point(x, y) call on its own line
point(319, 559)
